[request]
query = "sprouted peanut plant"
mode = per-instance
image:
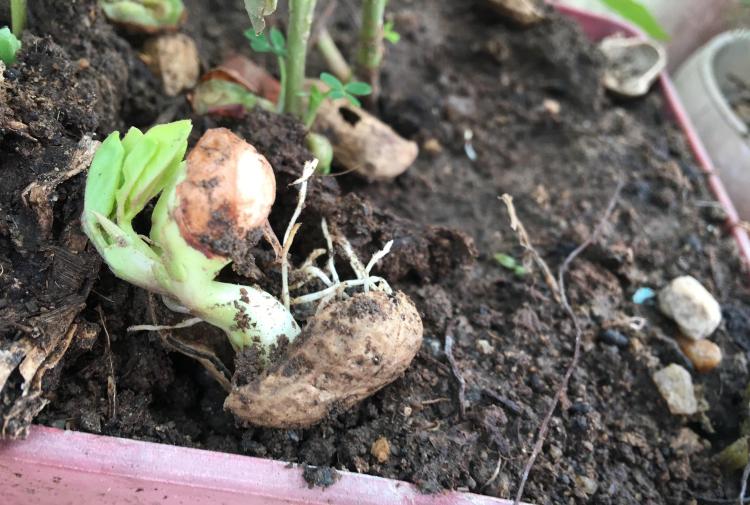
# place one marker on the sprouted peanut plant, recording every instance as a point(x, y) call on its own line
point(275, 43)
point(9, 46)
point(148, 16)
point(223, 192)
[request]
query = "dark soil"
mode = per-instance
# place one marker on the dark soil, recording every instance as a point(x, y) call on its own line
point(457, 68)
point(737, 92)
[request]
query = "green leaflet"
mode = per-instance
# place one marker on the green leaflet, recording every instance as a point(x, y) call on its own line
point(258, 10)
point(639, 15)
point(145, 14)
point(104, 176)
point(9, 46)
point(135, 163)
point(171, 140)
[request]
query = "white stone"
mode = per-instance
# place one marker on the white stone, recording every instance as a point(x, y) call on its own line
point(676, 387)
point(691, 306)
point(485, 347)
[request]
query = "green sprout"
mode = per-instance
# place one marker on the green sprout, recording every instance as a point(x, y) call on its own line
point(18, 16)
point(215, 95)
point(332, 55)
point(145, 15)
point(201, 205)
point(336, 90)
point(509, 262)
point(639, 15)
point(125, 175)
point(390, 34)
point(9, 46)
point(274, 43)
point(370, 51)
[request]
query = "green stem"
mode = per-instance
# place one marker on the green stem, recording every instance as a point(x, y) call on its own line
point(18, 16)
point(300, 21)
point(334, 59)
point(282, 77)
point(370, 52)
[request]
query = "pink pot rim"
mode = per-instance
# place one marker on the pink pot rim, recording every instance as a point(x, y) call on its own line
point(138, 469)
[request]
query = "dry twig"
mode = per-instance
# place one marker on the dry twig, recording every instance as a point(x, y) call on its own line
point(544, 427)
point(523, 239)
point(111, 384)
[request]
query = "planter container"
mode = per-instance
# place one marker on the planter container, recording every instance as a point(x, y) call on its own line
point(700, 82)
point(60, 467)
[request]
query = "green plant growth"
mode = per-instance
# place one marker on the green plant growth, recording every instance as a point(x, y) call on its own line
point(334, 59)
point(370, 50)
point(178, 260)
point(390, 34)
point(125, 175)
point(9, 46)
point(510, 263)
point(144, 15)
point(639, 15)
point(274, 43)
point(18, 16)
point(298, 34)
point(336, 90)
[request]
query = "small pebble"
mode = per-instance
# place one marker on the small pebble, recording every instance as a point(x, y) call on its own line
point(703, 354)
point(432, 147)
point(676, 387)
point(407, 411)
point(614, 337)
point(551, 106)
point(485, 347)
point(586, 484)
point(555, 452)
point(691, 306)
point(381, 450)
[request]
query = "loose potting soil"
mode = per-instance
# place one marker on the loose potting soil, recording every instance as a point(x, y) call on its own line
point(543, 131)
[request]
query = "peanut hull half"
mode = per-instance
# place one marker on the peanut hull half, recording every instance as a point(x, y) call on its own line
point(348, 351)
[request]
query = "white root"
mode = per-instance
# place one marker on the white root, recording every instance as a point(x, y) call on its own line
point(150, 327)
point(311, 297)
point(309, 271)
point(307, 172)
point(375, 258)
point(331, 254)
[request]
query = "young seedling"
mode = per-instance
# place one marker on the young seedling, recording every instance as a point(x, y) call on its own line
point(217, 199)
point(510, 263)
point(18, 16)
point(370, 51)
point(9, 46)
point(336, 90)
point(390, 34)
point(148, 16)
point(181, 259)
point(275, 44)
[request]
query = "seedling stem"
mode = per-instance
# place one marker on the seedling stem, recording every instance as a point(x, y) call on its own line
point(300, 21)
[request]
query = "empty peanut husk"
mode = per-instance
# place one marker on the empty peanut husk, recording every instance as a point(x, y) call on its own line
point(363, 143)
